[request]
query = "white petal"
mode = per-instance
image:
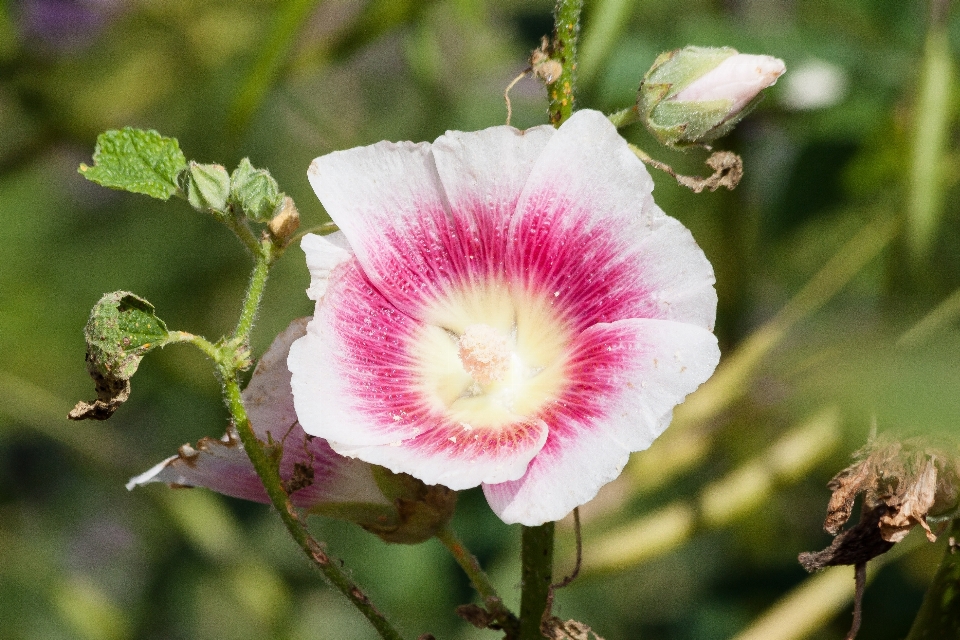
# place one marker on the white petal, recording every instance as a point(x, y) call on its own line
point(586, 229)
point(324, 254)
point(652, 366)
point(388, 201)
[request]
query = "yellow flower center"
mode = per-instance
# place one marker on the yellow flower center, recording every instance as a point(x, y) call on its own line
point(490, 356)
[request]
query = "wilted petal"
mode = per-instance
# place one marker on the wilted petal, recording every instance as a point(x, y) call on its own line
point(315, 474)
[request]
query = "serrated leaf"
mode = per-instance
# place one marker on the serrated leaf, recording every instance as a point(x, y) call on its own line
point(138, 161)
point(121, 330)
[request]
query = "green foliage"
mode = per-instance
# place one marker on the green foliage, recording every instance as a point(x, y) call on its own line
point(122, 329)
point(254, 191)
point(137, 161)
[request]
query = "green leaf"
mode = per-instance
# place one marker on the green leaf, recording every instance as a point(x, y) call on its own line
point(255, 191)
point(122, 329)
point(138, 161)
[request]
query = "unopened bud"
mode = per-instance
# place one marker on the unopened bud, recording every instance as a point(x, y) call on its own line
point(697, 94)
point(254, 191)
point(207, 186)
point(285, 223)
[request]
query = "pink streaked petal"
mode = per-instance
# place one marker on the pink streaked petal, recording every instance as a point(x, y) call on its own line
point(223, 466)
point(459, 457)
point(483, 173)
point(587, 234)
point(356, 381)
point(324, 254)
point(388, 201)
point(354, 376)
point(628, 376)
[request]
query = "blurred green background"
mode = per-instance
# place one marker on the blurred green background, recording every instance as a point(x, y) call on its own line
point(836, 260)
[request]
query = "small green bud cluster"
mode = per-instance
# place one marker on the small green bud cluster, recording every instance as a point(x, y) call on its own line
point(145, 162)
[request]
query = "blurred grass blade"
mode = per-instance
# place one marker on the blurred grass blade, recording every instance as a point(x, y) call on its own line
point(939, 615)
point(942, 315)
point(732, 378)
point(682, 447)
point(604, 26)
point(29, 405)
point(931, 120)
point(721, 502)
point(90, 612)
point(273, 54)
point(818, 599)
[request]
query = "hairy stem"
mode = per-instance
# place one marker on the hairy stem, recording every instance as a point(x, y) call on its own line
point(566, 30)
point(480, 581)
point(251, 303)
point(269, 473)
point(230, 359)
point(209, 349)
point(536, 553)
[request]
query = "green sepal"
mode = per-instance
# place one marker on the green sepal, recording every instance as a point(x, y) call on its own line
point(421, 509)
point(677, 69)
point(137, 161)
point(207, 186)
point(121, 330)
point(255, 191)
point(681, 124)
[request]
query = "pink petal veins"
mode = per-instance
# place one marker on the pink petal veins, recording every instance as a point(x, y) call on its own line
point(518, 313)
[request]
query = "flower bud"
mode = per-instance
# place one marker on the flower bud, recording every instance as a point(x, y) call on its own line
point(254, 191)
point(207, 186)
point(697, 94)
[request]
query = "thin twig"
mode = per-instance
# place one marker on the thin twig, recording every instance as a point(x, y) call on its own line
point(500, 614)
point(548, 610)
point(860, 576)
point(506, 92)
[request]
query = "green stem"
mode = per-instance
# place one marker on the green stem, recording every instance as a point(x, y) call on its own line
point(536, 557)
point(251, 304)
point(939, 615)
point(625, 117)
point(238, 224)
point(481, 582)
point(208, 348)
point(566, 30)
point(268, 471)
point(230, 358)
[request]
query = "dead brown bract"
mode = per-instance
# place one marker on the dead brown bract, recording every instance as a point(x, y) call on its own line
point(904, 483)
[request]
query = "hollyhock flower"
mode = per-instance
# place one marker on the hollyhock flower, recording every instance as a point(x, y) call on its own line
point(397, 508)
point(501, 308)
point(697, 94)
